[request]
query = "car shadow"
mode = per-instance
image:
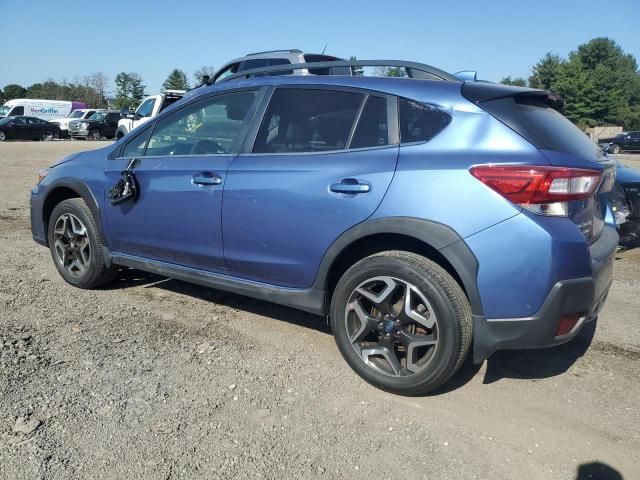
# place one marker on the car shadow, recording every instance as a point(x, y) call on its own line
point(539, 363)
point(129, 278)
point(516, 364)
point(597, 471)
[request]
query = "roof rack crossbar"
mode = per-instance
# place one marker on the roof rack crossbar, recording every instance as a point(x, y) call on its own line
point(290, 50)
point(413, 69)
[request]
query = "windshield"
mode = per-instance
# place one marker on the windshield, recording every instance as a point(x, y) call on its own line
point(76, 114)
point(5, 109)
point(99, 116)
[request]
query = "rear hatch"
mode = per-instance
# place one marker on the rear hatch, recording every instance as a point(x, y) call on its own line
point(535, 115)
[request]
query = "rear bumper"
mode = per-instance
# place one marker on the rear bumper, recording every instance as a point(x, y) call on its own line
point(584, 295)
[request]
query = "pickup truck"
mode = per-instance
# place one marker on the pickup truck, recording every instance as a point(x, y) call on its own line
point(99, 125)
point(80, 114)
point(149, 108)
point(623, 142)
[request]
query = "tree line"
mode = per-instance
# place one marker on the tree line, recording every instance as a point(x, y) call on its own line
point(93, 89)
point(599, 82)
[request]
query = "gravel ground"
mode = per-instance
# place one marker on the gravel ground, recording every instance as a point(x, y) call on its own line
point(153, 378)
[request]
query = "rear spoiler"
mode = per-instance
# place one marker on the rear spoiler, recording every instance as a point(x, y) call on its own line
point(479, 92)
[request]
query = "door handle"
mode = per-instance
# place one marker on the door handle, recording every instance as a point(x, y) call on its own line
point(350, 185)
point(206, 180)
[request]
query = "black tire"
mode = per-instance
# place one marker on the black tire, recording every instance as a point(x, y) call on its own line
point(615, 149)
point(94, 134)
point(94, 272)
point(3, 136)
point(443, 295)
point(47, 136)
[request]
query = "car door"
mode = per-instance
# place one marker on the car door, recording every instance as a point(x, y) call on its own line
point(634, 141)
point(181, 167)
point(319, 163)
point(110, 124)
point(144, 112)
point(19, 129)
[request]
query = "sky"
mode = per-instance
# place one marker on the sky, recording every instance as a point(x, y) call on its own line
point(64, 39)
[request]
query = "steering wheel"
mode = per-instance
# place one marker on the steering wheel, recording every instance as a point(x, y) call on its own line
point(203, 147)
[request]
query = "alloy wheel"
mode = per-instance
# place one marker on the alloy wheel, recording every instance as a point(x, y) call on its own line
point(72, 245)
point(391, 326)
point(3, 137)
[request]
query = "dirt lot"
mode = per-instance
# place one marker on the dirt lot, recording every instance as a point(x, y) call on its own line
point(155, 378)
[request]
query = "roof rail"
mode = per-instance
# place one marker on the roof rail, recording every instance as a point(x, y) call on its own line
point(413, 69)
point(290, 50)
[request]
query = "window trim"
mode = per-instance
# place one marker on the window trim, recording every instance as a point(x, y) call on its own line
point(392, 119)
point(116, 154)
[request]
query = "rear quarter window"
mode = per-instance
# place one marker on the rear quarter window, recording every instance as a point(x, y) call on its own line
point(420, 122)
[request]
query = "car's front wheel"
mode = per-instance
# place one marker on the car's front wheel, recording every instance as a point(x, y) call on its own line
point(77, 246)
point(615, 149)
point(401, 322)
point(94, 134)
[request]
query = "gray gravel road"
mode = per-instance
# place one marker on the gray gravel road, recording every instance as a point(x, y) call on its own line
point(156, 379)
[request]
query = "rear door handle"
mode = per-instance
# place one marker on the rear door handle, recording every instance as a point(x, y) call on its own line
point(211, 179)
point(350, 185)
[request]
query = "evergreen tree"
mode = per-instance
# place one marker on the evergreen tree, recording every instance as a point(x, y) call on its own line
point(518, 81)
point(129, 90)
point(177, 80)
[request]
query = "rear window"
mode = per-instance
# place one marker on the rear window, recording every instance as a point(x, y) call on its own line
point(533, 118)
point(420, 122)
point(551, 130)
point(315, 58)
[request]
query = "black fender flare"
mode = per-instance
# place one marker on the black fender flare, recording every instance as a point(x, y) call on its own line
point(83, 192)
point(437, 235)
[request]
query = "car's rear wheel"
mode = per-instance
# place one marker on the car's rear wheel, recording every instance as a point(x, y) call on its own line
point(94, 134)
point(401, 322)
point(3, 136)
point(47, 136)
point(76, 246)
point(615, 149)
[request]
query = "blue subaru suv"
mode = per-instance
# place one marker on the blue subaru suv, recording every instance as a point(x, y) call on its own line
point(426, 217)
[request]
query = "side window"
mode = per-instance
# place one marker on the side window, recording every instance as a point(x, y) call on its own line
point(420, 122)
point(146, 109)
point(254, 63)
point(19, 121)
point(372, 129)
point(307, 120)
point(207, 127)
point(89, 113)
point(135, 148)
point(32, 121)
point(280, 61)
point(17, 111)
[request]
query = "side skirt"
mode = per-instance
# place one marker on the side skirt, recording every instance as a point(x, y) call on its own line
point(308, 300)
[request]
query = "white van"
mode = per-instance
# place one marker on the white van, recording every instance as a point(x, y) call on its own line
point(43, 109)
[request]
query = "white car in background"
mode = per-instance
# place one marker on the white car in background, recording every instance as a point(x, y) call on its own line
point(81, 114)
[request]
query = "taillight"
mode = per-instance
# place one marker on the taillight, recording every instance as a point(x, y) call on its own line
point(542, 190)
